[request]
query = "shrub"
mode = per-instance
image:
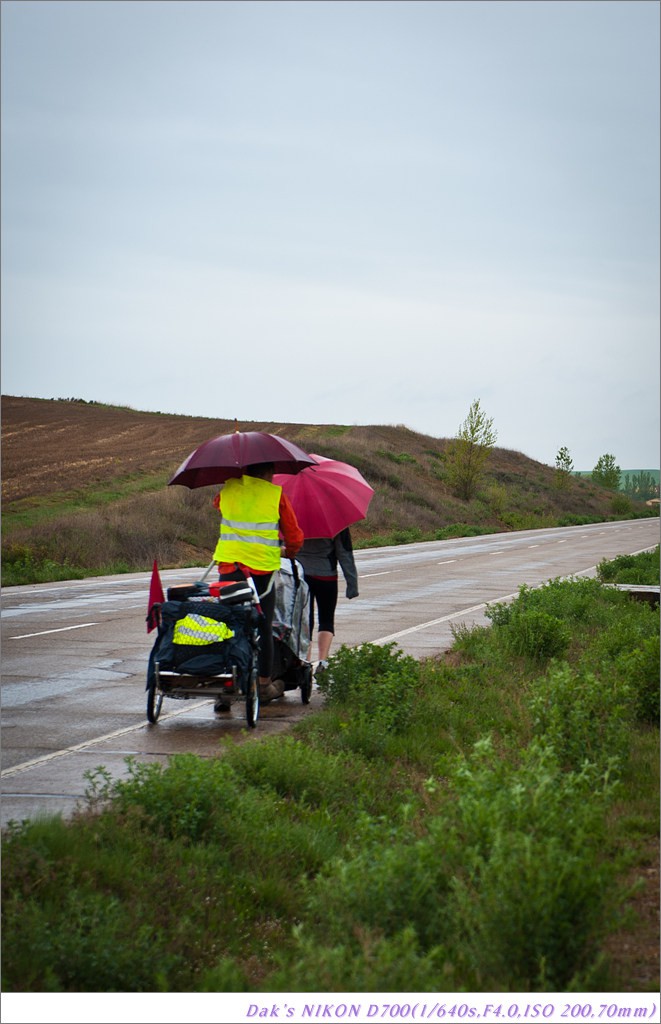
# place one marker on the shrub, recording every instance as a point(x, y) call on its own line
point(535, 895)
point(182, 798)
point(376, 687)
point(584, 718)
point(391, 882)
point(372, 964)
point(536, 634)
point(641, 569)
point(572, 601)
point(620, 505)
point(529, 629)
point(376, 681)
point(640, 669)
point(626, 630)
point(571, 519)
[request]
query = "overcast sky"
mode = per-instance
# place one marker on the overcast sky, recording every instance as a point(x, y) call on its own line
point(339, 212)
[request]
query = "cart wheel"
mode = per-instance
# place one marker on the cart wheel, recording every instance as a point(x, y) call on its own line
point(306, 685)
point(252, 696)
point(154, 698)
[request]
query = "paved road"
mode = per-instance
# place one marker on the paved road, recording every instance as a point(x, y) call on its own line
point(75, 653)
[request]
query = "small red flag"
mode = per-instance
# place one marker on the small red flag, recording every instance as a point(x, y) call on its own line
point(156, 598)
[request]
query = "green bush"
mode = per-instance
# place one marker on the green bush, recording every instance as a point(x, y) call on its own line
point(621, 506)
point(629, 625)
point(536, 634)
point(641, 569)
point(640, 669)
point(583, 717)
point(392, 882)
point(377, 683)
point(571, 519)
point(534, 625)
point(502, 889)
point(533, 898)
point(182, 798)
point(571, 602)
point(373, 963)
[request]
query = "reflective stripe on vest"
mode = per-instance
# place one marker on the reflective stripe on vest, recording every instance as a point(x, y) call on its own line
point(198, 629)
point(227, 525)
point(250, 512)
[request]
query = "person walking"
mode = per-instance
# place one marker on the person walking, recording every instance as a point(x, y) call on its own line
point(319, 558)
point(257, 526)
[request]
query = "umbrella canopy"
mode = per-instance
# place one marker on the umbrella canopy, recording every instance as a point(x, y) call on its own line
point(327, 497)
point(226, 456)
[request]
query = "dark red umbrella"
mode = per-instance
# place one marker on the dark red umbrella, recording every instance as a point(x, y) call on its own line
point(327, 497)
point(226, 456)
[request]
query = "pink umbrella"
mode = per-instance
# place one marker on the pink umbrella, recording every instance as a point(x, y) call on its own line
point(216, 460)
point(327, 497)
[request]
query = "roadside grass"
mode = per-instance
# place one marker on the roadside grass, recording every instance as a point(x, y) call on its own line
point(481, 821)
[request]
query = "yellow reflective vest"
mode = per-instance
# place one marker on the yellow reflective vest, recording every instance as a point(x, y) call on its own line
point(250, 513)
point(199, 630)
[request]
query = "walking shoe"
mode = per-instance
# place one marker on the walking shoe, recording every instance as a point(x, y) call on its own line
point(221, 705)
point(271, 691)
point(319, 674)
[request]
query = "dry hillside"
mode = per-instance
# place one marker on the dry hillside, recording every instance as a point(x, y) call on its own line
point(69, 466)
point(53, 446)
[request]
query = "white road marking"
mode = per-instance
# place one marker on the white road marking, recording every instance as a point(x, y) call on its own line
point(62, 629)
point(444, 618)
point(366, 575)
point(447, 561)
point(474, 608)
point(26, 765)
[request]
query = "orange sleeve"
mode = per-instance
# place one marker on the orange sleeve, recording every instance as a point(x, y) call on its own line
point(289, 528)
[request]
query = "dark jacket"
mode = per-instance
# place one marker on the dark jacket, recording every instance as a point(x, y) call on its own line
point(320, 556)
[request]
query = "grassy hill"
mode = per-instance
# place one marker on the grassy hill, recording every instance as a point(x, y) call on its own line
point(85, 488)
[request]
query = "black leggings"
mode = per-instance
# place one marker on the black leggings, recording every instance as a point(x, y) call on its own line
point(266, 623)
point(323, 593)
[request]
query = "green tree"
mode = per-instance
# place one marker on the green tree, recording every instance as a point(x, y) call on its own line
point(564, 465)
point(641, 486)
point(606, 473)
point(469, 451)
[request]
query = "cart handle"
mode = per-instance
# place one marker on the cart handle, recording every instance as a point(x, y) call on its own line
point(207, 571)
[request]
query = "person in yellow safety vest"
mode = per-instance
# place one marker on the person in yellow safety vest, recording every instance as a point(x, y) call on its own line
point(257, 526)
